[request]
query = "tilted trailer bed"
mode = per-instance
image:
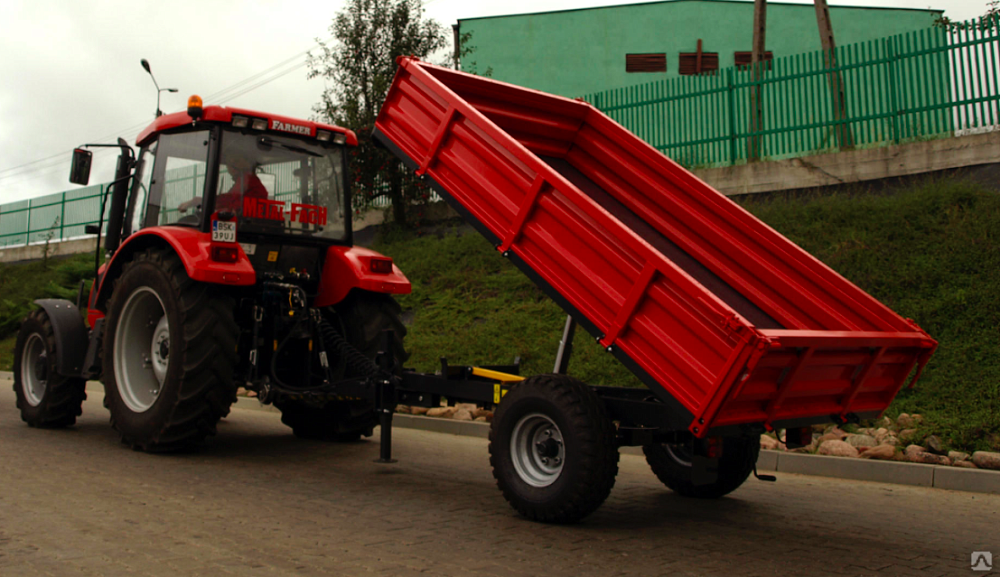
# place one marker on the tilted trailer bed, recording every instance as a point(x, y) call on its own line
point(720, 315)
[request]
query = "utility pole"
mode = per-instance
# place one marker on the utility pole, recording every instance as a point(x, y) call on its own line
point(836, 81)
point(756, 65)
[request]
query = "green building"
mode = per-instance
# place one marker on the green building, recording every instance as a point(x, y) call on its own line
point(578, 52)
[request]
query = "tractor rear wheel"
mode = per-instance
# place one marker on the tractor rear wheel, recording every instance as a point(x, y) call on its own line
point(361, 318)
point(672, 465)
point(45, 398)
point(169, 355)
point(553, 450)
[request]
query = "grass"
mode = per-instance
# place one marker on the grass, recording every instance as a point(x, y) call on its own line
point(931, 253)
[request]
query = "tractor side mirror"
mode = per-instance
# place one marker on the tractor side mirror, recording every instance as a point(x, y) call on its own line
point(79, 172)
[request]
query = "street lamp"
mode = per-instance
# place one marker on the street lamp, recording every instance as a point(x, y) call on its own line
point(145, 65)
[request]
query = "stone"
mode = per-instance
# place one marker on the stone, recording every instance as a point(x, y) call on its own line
point(933, 445)
point(917, 454)
point(907, 435)
point(881, 452)
point(880, 434)
point(957, 456)
point(241, 391)
point(861, 441)
point(462, 415)
point(964, 464)
point(917, 418)
point(904, 421)
point(467, 406)
point(442, 412)
point(480, 413)
point(768, 442)
point(403, 409)
point(885, 423)
point(835, 448)
point(890, 440)
point(480, 419)
point(833, 436)
point(252, 394)
point(986, 460)
point(418, 410)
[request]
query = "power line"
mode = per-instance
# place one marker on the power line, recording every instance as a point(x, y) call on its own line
point(220, 96)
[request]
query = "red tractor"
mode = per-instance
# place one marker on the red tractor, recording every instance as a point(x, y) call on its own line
point(229, 262)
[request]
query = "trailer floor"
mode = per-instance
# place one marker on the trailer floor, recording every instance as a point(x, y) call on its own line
point(257, 501)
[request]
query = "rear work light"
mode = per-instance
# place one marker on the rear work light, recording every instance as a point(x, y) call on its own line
point(240, 121)
point(340, 138)
point(381, 265)
point(221, 253)
point(323, 135)
point(194, 106)
point(258, 124)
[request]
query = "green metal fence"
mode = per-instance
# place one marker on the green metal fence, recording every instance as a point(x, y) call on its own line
point(920, 85)
point(53, 217)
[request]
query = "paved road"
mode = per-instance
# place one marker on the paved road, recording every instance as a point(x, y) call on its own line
point(257, 501)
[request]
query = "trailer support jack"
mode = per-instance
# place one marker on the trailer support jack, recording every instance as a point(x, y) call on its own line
point(386, 404)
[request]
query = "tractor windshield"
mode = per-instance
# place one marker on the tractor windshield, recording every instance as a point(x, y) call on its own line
point(282, 186)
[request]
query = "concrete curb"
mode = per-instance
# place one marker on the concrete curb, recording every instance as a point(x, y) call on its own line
point(899, 473)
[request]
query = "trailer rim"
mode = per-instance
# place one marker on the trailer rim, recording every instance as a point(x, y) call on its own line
point(34, 369)
point(537, 450)
point(142, 349)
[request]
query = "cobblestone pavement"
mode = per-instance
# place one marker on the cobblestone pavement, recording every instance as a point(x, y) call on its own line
point(257, 501)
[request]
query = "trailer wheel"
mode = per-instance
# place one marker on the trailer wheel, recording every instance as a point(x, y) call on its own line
point(361, 318)
point(45, 398)
point(553, 450)
point(672, 465)
point(169, 355)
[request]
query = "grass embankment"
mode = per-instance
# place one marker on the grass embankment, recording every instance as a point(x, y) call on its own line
point(931, 254)
point(21, 284)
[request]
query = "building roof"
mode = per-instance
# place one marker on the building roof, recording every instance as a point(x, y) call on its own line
point(747, 2)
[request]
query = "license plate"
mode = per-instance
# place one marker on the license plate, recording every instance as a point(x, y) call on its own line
point(248, 248)
point(223, 231)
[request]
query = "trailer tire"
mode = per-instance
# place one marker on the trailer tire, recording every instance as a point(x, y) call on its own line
point(46, 399)
point(169, 355)
point(361, 317)
point(669, 464)
point(553, 450)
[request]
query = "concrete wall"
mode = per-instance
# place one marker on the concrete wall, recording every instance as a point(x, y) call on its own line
point(578, 52)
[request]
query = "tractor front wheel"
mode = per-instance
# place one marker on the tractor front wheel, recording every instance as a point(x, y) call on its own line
point(361, 318)
point(169, 355)
point(45, 398)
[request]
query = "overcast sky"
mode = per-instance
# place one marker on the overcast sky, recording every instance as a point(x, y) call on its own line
point(70, 72)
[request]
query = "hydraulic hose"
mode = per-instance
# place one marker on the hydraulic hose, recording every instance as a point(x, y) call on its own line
point(355, 359)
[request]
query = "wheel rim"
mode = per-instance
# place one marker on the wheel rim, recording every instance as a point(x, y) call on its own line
point(34, 369)
point(537, 450)
point(681, 454)
point(142, 349)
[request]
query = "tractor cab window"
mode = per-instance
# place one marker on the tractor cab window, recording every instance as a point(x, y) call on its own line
point(281, 185)
point(178, 179)
point(136, 214)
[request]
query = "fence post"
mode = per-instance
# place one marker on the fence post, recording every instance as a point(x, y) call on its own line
point(62, 218)
point(891, 80)
point(732, 117)
point(27, 231)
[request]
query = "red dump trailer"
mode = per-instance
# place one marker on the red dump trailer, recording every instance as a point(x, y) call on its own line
point(733, 327)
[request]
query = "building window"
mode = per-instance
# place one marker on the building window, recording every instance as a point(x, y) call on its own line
point(646, 62)
point(743, 59)
point(698, 62)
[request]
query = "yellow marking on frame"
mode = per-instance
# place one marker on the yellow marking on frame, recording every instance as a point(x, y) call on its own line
point(275, 344)
point(496, 375)
point(310, 345)
point(272, 256)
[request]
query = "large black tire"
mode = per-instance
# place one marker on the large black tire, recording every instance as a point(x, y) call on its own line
point(177, 408)
point(45, 398)
point(361, 318)
point(672, 465)
point(553, 449)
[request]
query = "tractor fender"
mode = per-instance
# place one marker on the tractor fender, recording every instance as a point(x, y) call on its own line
point(349, 267)
point(191, 245)
point(71, 335)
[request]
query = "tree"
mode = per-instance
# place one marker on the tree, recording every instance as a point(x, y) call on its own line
point(358, 67)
